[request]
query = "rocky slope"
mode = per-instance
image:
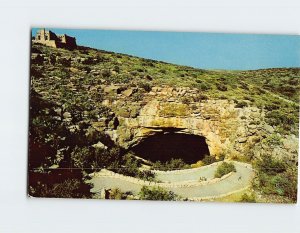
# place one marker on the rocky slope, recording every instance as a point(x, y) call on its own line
point(132, 98)
point(92, 109)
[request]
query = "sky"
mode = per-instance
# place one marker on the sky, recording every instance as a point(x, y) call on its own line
point(195, 49)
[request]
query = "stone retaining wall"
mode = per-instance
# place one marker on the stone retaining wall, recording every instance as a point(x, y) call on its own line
point(107, 173)
point(218, 196)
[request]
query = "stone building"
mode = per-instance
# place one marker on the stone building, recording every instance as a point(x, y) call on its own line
point(49, 38)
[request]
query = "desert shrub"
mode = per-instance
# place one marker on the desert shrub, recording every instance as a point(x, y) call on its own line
point(146, 86)
point(67, 189)
point(282, 184)
point(200, 97)
point(204, 86)
point(130, 166)
point(248, 198)
point(104, 158)
point(87, 69)
point(38, 60)
point(272, 140)
point(221, 87)
point(106, 73)
point(173, 164)
point(81, 157)
point(186, 100)
point(146, 175)
point(134, 73)
point(157, 193)
point(163, 71)
point(197, 164)
point(269, 165)
point(208, 159)
point(276, 177)
point(249, 98)
point(148, 77)
point(244, 86)
point(288, 90)
point(35, 50)
point(58, 184)
point(282, 118)
point(271, 107)
point(140, 70)
point(224, 169)
point(116, 194)
point(241, 104)
point(138, 96)
point(66, 62)
point(116, 68)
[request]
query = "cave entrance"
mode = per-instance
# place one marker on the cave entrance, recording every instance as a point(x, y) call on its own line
point(164, 147)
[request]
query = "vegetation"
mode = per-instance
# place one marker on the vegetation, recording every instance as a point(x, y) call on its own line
point(248, 198)
point(224, 168)
point(157, 193)
point(209, 159)
point(276, 177)
point(116, 194)
point(67, 111)
point(63, 184)
point(173, 164)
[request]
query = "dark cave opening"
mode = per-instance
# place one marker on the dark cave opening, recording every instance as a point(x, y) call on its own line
point(164, 147)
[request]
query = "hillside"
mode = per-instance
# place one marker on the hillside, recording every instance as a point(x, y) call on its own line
point(94, 109)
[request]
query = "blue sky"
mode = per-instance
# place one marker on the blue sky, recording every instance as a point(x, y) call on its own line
point(200, 50)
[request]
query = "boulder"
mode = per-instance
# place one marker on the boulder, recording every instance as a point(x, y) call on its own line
point(242, 140)
point(129, 92)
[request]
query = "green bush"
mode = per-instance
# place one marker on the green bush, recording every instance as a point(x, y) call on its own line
point(173, 164)
point(204, 86)
point(68, 188)
point(116, 194)
point(146, 86)
point(276, 177)
point(272, 140)
point(209, 159)
point(157, 193)
point(248, 198)
point(81, 157)
point(106, 73)
point(241, 104)
point(269, 165)
point(221, 87)
point(224, 169)
point(146, 175)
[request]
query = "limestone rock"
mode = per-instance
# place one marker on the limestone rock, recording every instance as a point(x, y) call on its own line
point(242, 140)
point(129, 92)
point(100, 145)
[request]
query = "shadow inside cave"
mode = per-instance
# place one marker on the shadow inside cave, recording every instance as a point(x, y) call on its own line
point(164, 147)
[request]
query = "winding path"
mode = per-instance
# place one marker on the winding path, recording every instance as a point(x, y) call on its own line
point(184, 182)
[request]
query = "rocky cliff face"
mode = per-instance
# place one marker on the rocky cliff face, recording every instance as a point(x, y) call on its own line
point(229, 130)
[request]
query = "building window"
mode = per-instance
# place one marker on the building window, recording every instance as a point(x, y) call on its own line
point(46, 37)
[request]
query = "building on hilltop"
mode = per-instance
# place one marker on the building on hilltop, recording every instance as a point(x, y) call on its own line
point(49, 38)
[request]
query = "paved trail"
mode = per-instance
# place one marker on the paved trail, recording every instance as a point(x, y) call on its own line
point(237, 181)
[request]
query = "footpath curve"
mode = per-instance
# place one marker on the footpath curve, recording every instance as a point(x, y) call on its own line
point(182, 182)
